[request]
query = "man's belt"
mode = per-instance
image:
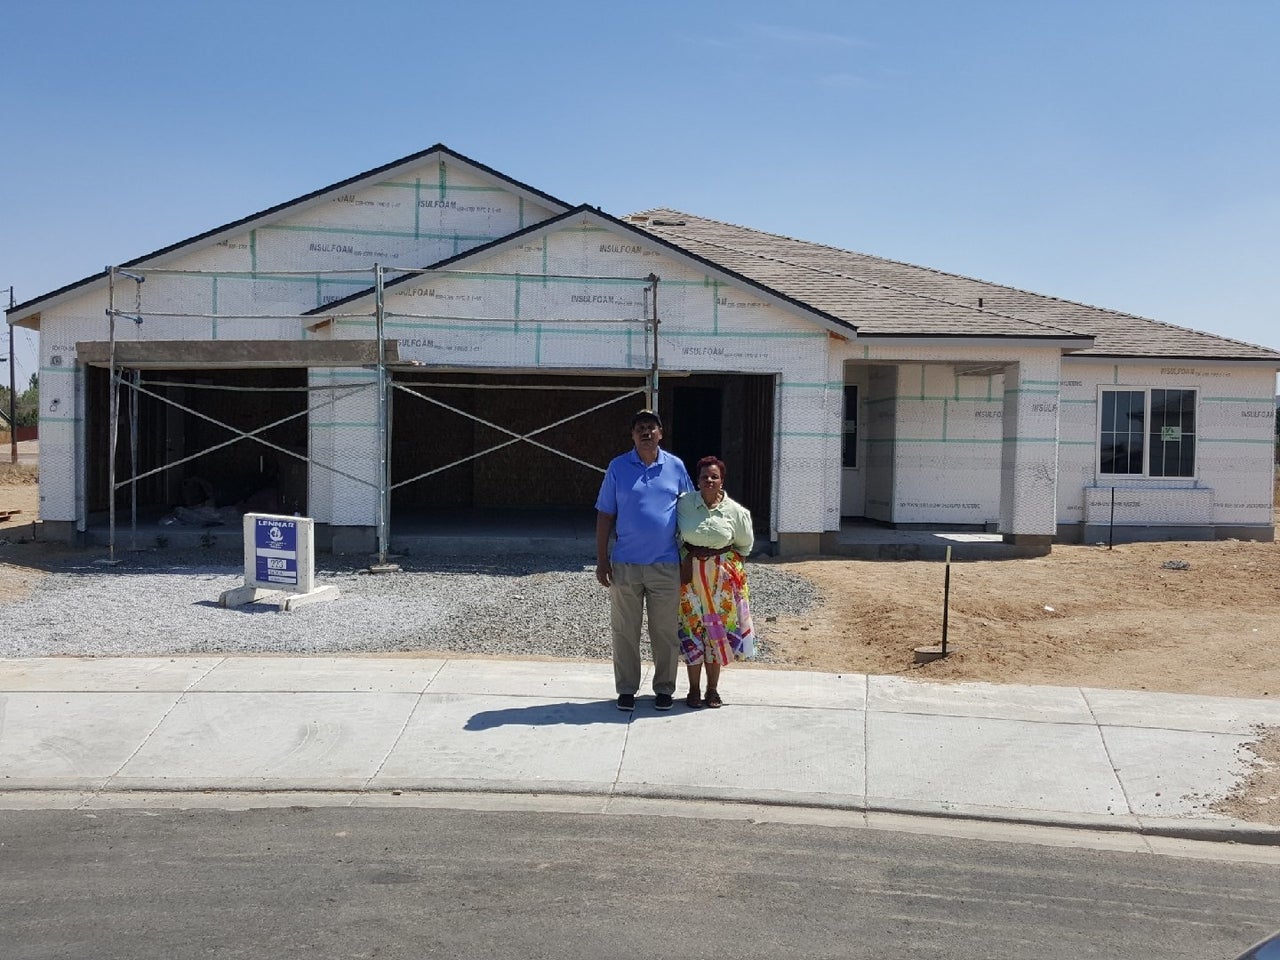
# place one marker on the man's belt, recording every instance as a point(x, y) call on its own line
point(706, 553)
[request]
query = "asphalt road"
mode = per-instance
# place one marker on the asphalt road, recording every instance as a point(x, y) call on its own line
point(388, 883)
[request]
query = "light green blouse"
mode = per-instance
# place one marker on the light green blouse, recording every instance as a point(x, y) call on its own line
point(726, 523)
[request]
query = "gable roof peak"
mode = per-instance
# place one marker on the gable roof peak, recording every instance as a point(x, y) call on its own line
point(29, 308)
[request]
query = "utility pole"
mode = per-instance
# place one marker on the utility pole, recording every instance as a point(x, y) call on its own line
point(13, 392)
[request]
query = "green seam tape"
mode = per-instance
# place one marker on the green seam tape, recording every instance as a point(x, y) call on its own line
point(753, 335)
point(354, 232)
point(808, 436)
point(266, 275)
point(1266, 400)
point(45, 418)
point(980, 440)
point(490, 325)
point(1268, 440)
point(467, 276)
point(1042, 393)
point(417, 208)
point(253, 252)
point(453, 187)
point(482, 326)
point(343, 373)
point(907, 398)
point(339, 423)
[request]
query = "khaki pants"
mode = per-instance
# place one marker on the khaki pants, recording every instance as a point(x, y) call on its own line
point(655, 586)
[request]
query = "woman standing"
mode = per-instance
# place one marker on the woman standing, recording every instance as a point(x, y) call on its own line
point(715, 615)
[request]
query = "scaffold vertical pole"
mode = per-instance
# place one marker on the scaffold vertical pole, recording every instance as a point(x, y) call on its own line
point(13, 391)
point(113, 412)
point(135, 377)
point(653, 369)
point(384, 478)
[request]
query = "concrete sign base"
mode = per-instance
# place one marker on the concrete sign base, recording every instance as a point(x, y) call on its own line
point(279, 565)
point(283, 599)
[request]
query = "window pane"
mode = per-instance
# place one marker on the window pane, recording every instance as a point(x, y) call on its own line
point(849, 443)
point(1123, 432)
point(1173, 432)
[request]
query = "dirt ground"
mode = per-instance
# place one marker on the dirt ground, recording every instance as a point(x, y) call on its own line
point(1082, 616)
point(1178, 617)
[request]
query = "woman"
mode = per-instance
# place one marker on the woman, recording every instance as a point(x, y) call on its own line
point(715, 616)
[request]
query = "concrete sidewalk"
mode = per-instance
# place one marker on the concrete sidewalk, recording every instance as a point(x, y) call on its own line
point(1098, 759)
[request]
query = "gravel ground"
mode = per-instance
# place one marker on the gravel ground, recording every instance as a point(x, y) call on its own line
point(152, 604)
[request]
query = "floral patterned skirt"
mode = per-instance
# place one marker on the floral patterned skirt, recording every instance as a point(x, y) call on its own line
point(715, 612)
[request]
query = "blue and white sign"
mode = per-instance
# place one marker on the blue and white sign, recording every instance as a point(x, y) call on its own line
point(275, 550)
point(279, 564)
point(279, 552)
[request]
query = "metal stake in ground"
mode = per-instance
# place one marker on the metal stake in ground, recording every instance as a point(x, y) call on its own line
point(929, 654)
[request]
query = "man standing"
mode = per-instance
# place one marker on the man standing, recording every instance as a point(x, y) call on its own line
point(638, 501)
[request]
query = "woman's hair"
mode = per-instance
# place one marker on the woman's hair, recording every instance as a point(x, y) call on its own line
point(712, 461)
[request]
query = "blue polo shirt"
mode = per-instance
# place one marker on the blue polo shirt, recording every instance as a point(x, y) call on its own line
point(643, 498)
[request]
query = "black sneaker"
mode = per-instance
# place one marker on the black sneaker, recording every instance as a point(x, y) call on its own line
point(662, 701)
point(627, 701)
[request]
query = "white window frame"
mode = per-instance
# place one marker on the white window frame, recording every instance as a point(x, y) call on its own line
point(1146, 426)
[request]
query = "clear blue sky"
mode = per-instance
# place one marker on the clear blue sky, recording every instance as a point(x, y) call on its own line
point(1118, 152)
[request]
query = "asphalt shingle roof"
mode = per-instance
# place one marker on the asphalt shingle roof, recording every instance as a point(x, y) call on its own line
point(888, 298)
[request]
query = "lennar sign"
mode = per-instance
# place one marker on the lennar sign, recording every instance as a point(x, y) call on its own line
point(279, 565)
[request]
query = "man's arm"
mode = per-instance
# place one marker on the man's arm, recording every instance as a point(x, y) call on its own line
point(604, 529)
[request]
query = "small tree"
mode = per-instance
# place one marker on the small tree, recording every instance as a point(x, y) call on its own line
point(27, 411)
point(28, 405)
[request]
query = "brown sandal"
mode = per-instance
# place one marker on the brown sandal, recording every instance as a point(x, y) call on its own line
point(694, 700)
point(713, 699)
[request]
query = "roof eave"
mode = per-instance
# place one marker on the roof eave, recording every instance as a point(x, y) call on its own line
point(1265, 362)
point(1066, 343)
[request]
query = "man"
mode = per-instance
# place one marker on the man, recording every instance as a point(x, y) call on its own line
point(638, 501)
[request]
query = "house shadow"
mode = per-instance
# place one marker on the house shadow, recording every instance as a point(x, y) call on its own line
point(567, 713)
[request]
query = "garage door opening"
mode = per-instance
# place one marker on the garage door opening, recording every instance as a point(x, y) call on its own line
point(180, 444)
point(460, 457)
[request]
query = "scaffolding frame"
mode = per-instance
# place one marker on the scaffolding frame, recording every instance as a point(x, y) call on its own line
point(130, 379)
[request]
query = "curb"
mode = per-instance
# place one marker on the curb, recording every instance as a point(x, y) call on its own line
point(1209, 831)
